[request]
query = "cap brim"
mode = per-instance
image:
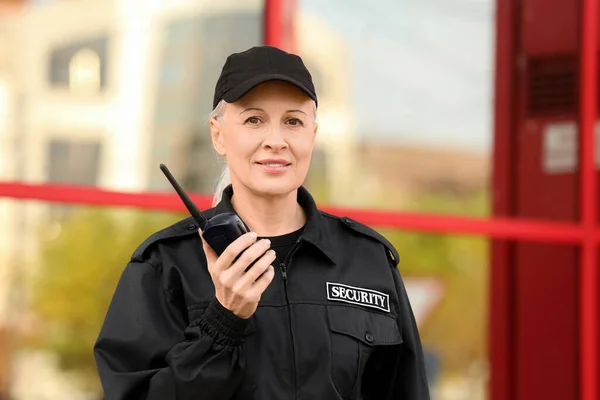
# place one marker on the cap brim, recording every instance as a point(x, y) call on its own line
point(237, 92)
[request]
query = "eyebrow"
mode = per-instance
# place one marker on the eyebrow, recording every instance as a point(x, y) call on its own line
point(252, 109)
point(261, 110)
point(300, 111)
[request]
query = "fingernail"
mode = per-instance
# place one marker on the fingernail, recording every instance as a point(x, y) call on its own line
point(253, 235)
point(267, 242)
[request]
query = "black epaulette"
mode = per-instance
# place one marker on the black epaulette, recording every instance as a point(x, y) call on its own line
point(182, 228)
point(356, 226)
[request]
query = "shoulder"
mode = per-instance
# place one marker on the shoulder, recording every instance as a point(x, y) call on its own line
point(350, 226)
point(181, 230)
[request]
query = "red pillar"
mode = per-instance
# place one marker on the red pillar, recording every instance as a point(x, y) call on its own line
point(279, 24)
point(589, 208)
point(501, 328)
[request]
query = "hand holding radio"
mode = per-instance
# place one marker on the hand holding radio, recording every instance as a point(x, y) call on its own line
point(241, 273)
point(240, 266)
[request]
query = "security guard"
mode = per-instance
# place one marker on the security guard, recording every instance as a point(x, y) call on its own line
point(306, 306)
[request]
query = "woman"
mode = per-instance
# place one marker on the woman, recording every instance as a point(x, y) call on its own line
point(321, 314)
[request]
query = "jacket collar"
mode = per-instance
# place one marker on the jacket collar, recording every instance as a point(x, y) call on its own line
point(315, 231)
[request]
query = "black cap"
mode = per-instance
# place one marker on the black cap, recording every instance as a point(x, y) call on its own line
point(244, 71)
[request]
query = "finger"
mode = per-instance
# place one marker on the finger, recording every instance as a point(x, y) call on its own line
point(263, 281)
point(257, 269)
point(211, 256)
point(250, 255)
point(234, 249)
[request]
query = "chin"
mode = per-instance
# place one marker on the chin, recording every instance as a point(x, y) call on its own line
point(274, 187)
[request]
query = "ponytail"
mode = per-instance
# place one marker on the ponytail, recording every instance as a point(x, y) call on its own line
point(224, 179)
point(222, 183)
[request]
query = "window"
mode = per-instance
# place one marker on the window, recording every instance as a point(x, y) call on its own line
point(80, 66)
point(73, 162)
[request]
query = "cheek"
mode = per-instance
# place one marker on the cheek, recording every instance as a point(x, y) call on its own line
point(240, 144)
point(240, 151)
point(303, 149)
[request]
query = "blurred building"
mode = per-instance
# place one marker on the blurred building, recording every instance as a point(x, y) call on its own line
point(9, 10)
point(99, 93)
point(124, 86)
point(408, 174)
point(326, 56)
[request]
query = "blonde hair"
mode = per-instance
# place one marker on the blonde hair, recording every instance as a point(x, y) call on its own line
point(225, 179)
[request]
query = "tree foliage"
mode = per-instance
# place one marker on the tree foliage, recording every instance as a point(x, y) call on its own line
point(457, 329)
point(78, 274)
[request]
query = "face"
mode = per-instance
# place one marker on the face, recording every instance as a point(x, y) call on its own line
point(267, 138)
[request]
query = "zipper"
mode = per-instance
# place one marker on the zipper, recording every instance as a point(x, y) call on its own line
point(284, 268)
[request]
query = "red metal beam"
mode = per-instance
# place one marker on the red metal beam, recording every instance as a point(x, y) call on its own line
point(273, 25)
point(91, 196)
point(588, 343)
point(279, 24)
point(502, 303)
point(502, 228)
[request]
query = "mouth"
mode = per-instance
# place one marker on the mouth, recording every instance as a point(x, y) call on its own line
point(274, 167)
point(274, 163)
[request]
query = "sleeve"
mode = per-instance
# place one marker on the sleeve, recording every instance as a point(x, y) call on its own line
point(145, 350)
point(399, 374)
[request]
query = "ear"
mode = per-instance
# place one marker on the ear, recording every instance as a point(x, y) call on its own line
point(217, 136)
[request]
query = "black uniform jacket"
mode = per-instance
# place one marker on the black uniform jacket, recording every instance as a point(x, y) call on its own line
point(335, 322)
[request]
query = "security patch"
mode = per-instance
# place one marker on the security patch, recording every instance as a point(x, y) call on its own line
point(359, 296)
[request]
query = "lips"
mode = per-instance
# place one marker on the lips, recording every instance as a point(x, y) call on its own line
point(274, 167)
point(274, 163)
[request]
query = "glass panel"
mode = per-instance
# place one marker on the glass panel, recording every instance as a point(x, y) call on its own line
point(405, 100)
point(405, 123)
point(59, 271)
point(447, 283)
point(405, 116)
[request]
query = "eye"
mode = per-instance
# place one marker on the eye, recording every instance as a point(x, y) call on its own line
point(252, 121)
point(295, 122)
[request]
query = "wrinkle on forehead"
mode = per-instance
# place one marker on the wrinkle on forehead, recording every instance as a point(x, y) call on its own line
point(280, 92)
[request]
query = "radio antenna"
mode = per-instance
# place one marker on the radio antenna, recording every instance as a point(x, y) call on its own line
point(189, 204)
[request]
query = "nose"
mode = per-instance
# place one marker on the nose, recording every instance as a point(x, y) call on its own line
point(274, 138)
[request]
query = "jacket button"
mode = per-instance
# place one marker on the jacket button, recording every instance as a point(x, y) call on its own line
point(369, 337)
point(191, 227)
point(348, 221)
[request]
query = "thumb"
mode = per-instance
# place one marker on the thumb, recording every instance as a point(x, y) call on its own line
point(210, 254)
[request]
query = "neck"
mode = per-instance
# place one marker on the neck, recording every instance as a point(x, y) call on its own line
point(271, 216)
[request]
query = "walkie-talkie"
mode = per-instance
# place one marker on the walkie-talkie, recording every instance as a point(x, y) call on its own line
point(218, 231)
